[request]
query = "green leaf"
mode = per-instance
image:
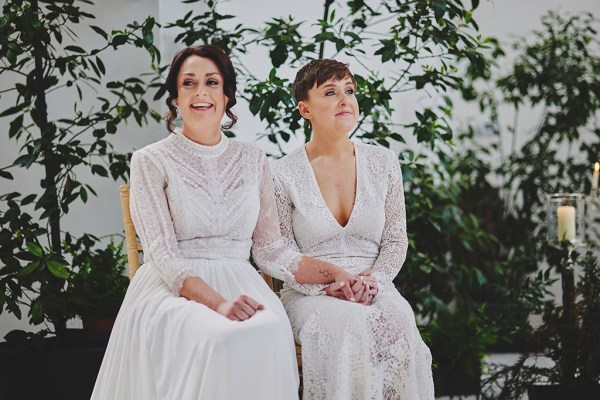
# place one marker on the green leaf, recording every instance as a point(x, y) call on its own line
point(100, 65)
point(57, 269)
point(99, 31)
point(13, 110)
point(83, 194)
point(255, 104)
point(29, 268)
point(28, 199)
point(99, 170)
point(34, 249)
point(37, 312)
point(75, 49)
point(118, 40)
point(15, 126)
point(148, 39)
point(439, 9)
point(6, 175)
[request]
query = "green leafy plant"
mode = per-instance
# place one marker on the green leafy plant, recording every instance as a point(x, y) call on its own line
point(556, 70)
point(568, 335)
point(40, 59)
point(458, 342)
point(98, 280)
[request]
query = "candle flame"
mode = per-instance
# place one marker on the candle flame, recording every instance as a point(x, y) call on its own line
point(596, 166)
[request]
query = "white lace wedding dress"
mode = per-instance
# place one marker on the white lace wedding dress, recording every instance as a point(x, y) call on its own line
point(351, 351)
point(198, 211)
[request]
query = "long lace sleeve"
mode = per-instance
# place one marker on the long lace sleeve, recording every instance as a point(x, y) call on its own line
point(394, 241)
point(284, 209)
point(153, 222)
point(269, 250)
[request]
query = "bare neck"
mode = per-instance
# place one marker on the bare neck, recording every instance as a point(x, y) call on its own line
point(329, 146)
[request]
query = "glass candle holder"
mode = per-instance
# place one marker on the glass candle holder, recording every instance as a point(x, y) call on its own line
point(565, 218)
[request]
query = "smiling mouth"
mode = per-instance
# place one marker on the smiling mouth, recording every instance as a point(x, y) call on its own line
point(342, 113)
point(201, 106)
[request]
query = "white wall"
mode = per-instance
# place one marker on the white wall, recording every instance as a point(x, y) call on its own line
point(101, 216)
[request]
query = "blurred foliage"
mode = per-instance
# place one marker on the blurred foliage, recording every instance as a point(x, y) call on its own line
point(556, 72)
point(98, 280)
point(458, 344)
point(568, 335)
point(41, 62)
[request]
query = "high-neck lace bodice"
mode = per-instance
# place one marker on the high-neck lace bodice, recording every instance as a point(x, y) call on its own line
point(191, 201)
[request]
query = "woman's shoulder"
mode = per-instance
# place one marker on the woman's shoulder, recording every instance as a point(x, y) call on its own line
point(376, 153)
point(152, 150)
point(289, 160)
point(249, 150)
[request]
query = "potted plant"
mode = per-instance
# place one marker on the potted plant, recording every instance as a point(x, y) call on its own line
point(40, 59)
point(458, 343)
point(97, 284)
point(568, 337)
point(40, 64)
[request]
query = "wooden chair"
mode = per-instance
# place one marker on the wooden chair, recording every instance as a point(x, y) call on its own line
point(134, 248)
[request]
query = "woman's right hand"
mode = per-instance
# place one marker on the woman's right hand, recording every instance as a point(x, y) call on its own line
point(342, 284)
point(239, 309)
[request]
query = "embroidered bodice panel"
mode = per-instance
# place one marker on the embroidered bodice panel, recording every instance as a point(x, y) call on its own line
point(375, 235)
point(190, 201)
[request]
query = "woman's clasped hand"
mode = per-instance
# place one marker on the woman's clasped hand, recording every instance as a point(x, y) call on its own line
point(363, 287)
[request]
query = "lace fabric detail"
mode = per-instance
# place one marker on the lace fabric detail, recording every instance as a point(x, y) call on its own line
point(190, 201)
point(351, 351)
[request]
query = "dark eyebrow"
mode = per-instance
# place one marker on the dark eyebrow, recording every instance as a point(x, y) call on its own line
point(207, 74)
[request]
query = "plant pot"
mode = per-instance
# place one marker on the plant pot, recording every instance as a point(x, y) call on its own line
point(50, 372)
point(457, 381)
point(561, 392)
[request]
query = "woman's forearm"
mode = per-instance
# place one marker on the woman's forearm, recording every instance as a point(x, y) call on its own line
point(311, 270)
point(195, 288)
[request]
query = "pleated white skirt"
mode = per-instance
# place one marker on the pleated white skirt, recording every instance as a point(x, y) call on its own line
point(169, 348)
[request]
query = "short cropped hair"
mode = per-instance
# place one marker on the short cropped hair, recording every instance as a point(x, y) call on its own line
point(318, 72)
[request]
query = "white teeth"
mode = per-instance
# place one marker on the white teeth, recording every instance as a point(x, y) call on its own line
point(201, 105)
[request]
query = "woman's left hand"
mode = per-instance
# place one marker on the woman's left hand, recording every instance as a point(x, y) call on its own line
point(369, 280)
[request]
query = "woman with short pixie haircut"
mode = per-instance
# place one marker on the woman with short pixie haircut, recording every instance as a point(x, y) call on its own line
point(198, 322)
point(342, 201)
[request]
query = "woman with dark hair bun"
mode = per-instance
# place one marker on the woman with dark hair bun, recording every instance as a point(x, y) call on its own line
point(198, 321)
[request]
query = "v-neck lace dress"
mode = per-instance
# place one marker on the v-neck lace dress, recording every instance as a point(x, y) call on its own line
point(199, 211)
point(351, 351)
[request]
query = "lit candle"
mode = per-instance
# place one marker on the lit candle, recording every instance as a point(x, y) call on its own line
point(595, 177)
point(566, 223)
